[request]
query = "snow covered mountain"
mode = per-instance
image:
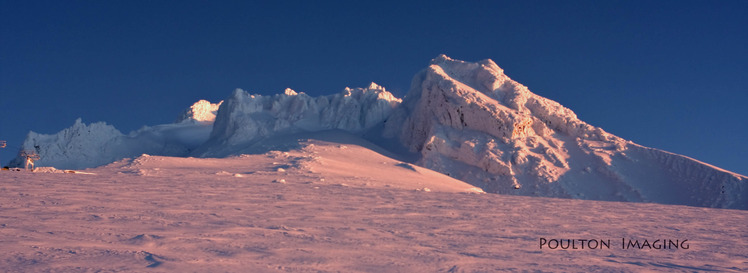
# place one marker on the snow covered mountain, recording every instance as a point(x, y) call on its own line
point(467, 120)
point(85, 146)
point(245, 119)
point(471, 121)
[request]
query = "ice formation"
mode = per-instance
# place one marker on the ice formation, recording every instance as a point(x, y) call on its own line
point(202, 112)
point(245, 118)
point(84, 146)
point(472, 122)
point(467, 120)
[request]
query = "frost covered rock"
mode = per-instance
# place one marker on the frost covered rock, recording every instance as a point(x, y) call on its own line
point(467, 120)
point(202, 111)
point(245, 118)
point(79, 146)
point(84, 146)
point(472, 122)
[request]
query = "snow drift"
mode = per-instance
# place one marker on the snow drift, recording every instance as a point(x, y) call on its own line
point(467, 120)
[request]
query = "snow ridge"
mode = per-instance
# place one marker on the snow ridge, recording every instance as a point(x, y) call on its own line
point(467, 120)
point(245, 118)
point(472, 122)
point(79, 145)
point(84, 146)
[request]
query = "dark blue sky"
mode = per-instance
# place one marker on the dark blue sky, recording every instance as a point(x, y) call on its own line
point(665, 74)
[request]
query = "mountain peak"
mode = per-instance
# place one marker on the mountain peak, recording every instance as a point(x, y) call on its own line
point(201, 111)
point(449, 64)
point(464, 119)
point(290, 92)
point(441, 59)
point(374, 86)
point(471, 121)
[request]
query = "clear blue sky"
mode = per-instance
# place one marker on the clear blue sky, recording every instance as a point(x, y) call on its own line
point(666, 74)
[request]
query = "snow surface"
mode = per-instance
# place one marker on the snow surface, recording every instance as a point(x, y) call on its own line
point(84, 146)
point(331, 203)
point(202, 111)
point(245, 118)
point(472, 122)
point(467, 120)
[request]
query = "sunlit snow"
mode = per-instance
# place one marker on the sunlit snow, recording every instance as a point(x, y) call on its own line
point(339, 205)
point(466, 120)
point(362, 181)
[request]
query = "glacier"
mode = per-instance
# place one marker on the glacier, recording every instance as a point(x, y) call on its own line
point(467, 120)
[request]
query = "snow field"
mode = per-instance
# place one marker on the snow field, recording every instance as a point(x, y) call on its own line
point(341, 209)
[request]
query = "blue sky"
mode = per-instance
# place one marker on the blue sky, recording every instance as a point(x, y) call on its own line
point(664, 74)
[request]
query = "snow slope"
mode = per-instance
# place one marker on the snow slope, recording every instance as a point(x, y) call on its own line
point(333, 204)
point(467, 120)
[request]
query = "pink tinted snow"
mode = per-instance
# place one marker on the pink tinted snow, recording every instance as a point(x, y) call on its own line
point(340, 208)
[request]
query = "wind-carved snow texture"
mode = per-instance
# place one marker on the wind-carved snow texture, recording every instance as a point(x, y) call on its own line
point(246, 118)
point(472, 122)
point(84, 146)
point(79, 146)
point(467, 120)
point(335, 208)
point(201, 112)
